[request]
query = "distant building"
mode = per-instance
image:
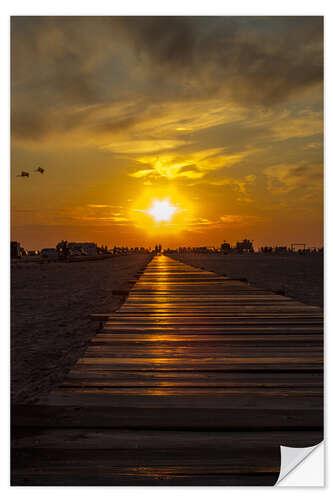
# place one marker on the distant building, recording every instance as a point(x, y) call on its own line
point(15, 250)
point(87, 248)
point(225, 248)
point(244, 246)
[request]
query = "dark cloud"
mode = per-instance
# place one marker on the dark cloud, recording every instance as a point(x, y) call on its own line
point(37, 124)
point(168, 41)
point(61, 66)
point(115, 126)
point(51, 60)
point(306, 172)
point(300, 171)
point(28, 125)
point(263, 60)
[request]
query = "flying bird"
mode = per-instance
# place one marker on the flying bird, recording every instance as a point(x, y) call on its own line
point(40, 170)
point(23, 174)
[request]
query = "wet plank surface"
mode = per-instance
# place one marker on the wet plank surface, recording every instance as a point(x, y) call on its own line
point(197, 379)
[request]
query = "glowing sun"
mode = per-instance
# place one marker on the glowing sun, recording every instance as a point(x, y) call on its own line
point(162, 211)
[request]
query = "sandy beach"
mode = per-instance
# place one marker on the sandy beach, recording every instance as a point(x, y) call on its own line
point(296, 276)
point(50, 325)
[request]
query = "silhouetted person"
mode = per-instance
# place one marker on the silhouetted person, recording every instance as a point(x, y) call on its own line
point(63, 249)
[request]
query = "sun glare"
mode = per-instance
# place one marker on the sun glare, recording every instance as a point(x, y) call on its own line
point(162, 211)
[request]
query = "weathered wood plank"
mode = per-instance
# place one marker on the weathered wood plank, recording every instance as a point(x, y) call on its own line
point(208, 397)
point(86, 439)
point(294, 414)
point(99, 378)
point(206, 363)
point(153, 477)
point(191, 353)
point(281, 339)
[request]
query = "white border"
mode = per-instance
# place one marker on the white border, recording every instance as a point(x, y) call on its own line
point(172, 7)
point(142, 7)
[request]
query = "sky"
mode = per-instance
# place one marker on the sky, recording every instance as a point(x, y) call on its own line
point(220, 117)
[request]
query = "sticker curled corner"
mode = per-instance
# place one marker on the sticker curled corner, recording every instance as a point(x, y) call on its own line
point(291, 458)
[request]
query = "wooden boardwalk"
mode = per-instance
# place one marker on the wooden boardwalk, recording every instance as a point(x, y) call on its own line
point(196, 380)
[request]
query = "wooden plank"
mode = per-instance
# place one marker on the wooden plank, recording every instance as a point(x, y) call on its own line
point(111, 439)
point(280, 339)
point(209, 398)
point(153, 477)
point(208, 363)
point(191, 353)
point(100, 378)
point(211, 329)
point(209, 295)
point(160, 308)
point(306, 314)
point(174, 364)
point(294, 415)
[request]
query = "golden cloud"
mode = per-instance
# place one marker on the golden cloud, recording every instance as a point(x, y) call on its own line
point(194, 165)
